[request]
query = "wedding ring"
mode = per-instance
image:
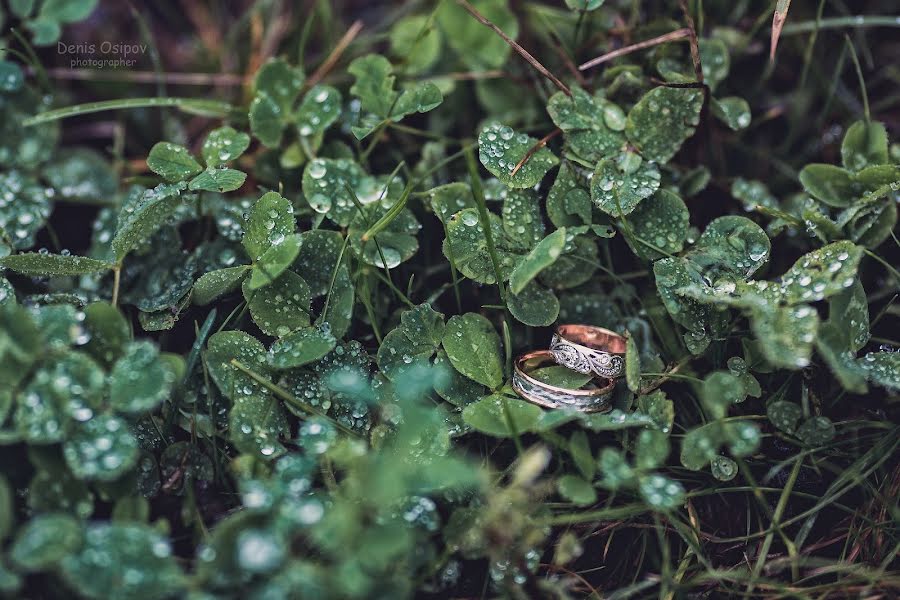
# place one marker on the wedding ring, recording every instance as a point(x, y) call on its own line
point(592, 399)
point(586, 349)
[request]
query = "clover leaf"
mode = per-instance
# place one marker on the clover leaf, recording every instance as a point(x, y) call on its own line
point(501, 149)
point(473, 347)
point(662, 120)
point(621, 182)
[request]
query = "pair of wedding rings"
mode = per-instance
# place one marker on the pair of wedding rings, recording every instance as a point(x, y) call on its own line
point(582, 348)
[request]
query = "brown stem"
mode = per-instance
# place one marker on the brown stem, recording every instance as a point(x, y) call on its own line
point(695, 46)
point(533, 150)
point(662, 39)
point(335, 55)
point(522, 51)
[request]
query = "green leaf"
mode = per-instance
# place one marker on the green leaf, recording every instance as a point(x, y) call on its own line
point(102, 449)
point(466, 246)
point(41, 263)
point(301, 347)
point(700, 445)
point(821, 273)
point(172, 162)
point(632, 364)
point(616, 471)
point(24, 207)
point(279, 81)
point(541, 256)
point(576, 490)
point(392, 245)
point(493, 414)
point(82, 175)
point(580, 449)
point(723, 468)
point(215, 284)
point(660, 409)
point(620, 183)
point(586, 123)
point(584, 4)
point(828, 183)
point(865, 144)
point(568, 202)
point(7, 516)
point(786, 334)
point(753, 194)
point(447, 200)
point(415, 40)
point(419, 98)
point(733, 111)
point(44, 541)
point(662, 120)
point(661, 492)
point(477, 46)
point(731, 246)
point(218, 179)
point(816, 431)
point(473, 347)
point(137, 223)
point(500, 149)
point(271, 221)
point(535, 305)
point(274, 262)
point(651, 449)
point(225, 346)
point(374, 84)
point(661, 220)
point(267, 120)
point(320, 108)
point(11, 76)
point(325, 187)
point(282, 306)
point(67, 11)
point(140, 552)
point(784, 415)
point(139, 381)
point(223, 145)
point(255, 424)
point(882, 368)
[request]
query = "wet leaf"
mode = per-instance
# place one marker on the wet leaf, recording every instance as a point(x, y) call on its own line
point(534, 305)
point(320, 108)
point(255, 424)
point(662, 221)
point(733, 111)
point(271, 221)
point(215, 284)
point(661, 492)
point(127, 561)
point(580, 449)
point(882, 368)
point(786, 334)
point(39, 264)
point(44, 541)
point(821, 273)
point(301, 347)
point(723, 468)
point(568, 202)
point(662, 120)
point(585, 122)
point(543, 255)
point(651, 449)
point(102, 448)
point(137, 223)
point(279, 81)
point(500, 149)
point(816, 431)
point(274, 261)
point(172, 162)
point(494, 414)
point(466, 246)
point(282, 306)
point(828, 183)
point(473, 347)
point(218, 179)
point(865, 144)
point(223, 145)
point(620, 183)
point(325, 187)
point(632, 365)
point(139, 380)
point(416, 41)
point(784, 415)
point(225, 346)
point(24, 206)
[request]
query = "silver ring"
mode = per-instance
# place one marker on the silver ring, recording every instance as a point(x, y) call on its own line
point(586, 349)
point(595, 397)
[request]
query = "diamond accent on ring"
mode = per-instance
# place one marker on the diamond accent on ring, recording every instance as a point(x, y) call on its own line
point(584, 360)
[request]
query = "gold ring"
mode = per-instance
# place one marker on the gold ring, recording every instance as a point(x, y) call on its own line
point(592, 399)
point(586, 349)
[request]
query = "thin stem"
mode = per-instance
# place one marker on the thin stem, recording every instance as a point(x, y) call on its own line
point(678, 34)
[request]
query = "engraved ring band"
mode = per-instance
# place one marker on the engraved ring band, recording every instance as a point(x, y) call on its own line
point(593, 398)
point(586, 349)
